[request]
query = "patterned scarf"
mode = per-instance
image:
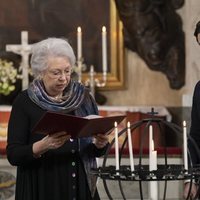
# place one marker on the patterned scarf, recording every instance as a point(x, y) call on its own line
point(75, 98)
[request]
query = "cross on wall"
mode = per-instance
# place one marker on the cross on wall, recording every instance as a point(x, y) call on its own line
point(23, 49)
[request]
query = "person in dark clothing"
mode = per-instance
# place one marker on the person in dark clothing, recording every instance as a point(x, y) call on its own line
point(197, 32)
point(53, 167)
point(194, 131)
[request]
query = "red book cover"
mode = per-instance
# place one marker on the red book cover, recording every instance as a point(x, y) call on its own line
point(52, 122)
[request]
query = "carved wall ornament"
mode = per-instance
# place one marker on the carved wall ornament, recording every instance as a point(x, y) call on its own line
point(153, 29)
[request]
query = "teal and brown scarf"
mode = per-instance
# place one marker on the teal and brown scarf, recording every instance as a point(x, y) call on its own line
point(76, 97)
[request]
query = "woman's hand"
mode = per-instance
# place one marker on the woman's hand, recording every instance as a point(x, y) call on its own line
point(52, 141)
point(56, 140)
point(100, 140)
point(193, 192)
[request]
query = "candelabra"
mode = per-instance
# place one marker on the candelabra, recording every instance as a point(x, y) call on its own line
point(91, 81)
point(79, 67)
point(166, 172)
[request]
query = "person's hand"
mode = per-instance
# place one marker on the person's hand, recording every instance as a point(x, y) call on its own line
point(56, 140)
point(193, 192)
point(100, 140)
point(52, 141)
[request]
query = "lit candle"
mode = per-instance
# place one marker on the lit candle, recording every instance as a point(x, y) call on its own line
point(79, 43)
point(79, 53)
point(150, 142)
point(116, 148)
point(104, 50)
point(130, 147)
point(185, 146)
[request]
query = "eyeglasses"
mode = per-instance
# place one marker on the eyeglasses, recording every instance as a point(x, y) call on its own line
point(58, 73)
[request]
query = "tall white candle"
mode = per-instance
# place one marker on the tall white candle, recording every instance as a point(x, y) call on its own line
point(104, 50)
point(130, 147)
point(79, 43)
point(79, 53)
point(150, 142)
point(185, 146)
point(116, 148)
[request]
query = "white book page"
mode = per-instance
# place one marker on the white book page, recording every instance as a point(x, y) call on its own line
point(92, 116)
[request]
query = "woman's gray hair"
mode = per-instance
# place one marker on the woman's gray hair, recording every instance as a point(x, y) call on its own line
point(49, 48)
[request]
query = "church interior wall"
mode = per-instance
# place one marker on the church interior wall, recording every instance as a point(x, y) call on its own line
point(143, 86)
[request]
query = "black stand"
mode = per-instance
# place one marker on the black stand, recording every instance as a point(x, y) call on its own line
point(165, 172)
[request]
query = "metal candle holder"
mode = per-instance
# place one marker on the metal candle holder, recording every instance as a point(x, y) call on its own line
point(91, 82)
point(165, 172)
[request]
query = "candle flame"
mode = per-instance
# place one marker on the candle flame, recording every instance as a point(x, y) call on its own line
point(104, 29)
point(115, 124)
point(128, 124)
point(79, 29)
point(184, 123)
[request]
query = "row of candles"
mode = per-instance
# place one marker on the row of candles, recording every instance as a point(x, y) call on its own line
point(152, 152)
point(153, 185)
point(104, 50)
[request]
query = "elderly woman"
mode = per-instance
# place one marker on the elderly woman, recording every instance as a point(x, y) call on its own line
point(53, 167)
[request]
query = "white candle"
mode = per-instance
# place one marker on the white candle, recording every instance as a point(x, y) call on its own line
point(153, 161)
point(153, 185)
point(92, 70)
point(79, 53)
point(185, 146)
point(24, 37)
point(116, 148)
point(79, 43)
point(104, 50)
point(150, 142)
point(92, 85)
point(130, 147)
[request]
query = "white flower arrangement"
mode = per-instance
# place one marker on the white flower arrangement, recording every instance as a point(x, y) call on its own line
point(8, 76)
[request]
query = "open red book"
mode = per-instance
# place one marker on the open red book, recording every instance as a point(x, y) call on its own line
point(52, 122)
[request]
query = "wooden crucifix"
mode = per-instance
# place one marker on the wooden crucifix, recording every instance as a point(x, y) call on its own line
point(23, 49)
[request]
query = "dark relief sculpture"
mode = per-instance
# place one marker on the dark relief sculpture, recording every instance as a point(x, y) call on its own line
point(153, 29)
